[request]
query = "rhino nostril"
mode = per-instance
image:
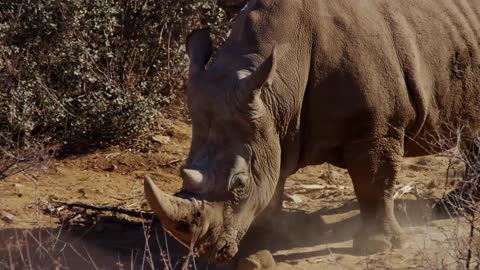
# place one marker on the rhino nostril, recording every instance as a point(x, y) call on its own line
point(192, 179)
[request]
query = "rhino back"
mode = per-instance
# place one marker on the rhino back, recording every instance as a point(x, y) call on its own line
point(379, 66)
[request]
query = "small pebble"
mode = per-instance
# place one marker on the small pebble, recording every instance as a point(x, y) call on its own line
point(8, 218)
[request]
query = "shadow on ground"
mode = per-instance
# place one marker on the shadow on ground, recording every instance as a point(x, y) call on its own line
point(115, 243)
point(297, 230)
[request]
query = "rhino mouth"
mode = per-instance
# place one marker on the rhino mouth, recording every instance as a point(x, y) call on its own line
point(197, 223)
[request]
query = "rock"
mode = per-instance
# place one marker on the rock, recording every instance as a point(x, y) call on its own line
point(112, 168)
point(161, 139)
point(332, 175)
point(112, 155)
point(19, 188)
point(8, 218)
point(83, 192)
point(293, 198)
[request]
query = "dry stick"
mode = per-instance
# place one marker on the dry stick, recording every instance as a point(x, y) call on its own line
point(40, 237)
point(172, 162)
point(76, 251)
point(146, 251)
point(167, 248)
point(131, 260)
point(7, 168)
point(145, 247)
point(119, 262)
point(57, 237)
point(12, 266)
point(116, 209)
point(34, 179)
point(28, 251)
point(478, 259)
point(470, 242)
point(91, 260)
point(19, 247)
point(191, 252)
point(332, 258)
point(164, 254)
point(168, 55)
point(447, 177)
point(40, 246)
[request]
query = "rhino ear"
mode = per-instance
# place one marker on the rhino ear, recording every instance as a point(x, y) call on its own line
point(263, 74)
point(199, 49)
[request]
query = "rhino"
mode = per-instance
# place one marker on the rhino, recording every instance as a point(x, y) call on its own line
point(359, 84)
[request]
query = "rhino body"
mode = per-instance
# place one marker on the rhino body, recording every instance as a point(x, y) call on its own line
point(356, 83)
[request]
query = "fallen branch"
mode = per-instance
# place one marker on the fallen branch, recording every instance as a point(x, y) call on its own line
point(114, 209)
point(320, 187)
point(172, 162)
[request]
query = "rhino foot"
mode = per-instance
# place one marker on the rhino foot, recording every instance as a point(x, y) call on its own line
point(261, 260)
point(378, 242)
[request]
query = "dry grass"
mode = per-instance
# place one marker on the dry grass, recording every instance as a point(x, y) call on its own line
point(458, 244)
point(85, 245)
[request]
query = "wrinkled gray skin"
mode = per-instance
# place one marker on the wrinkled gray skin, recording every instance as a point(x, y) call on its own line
point(356, 83)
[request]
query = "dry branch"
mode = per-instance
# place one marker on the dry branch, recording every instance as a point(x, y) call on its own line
point(114, 209)
point(320, 187)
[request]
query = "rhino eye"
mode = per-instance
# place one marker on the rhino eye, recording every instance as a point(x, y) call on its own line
point(238, 182)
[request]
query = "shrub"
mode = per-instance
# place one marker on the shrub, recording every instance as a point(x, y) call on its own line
point(95, 70)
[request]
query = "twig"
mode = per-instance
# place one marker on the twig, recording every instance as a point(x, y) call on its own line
point(12, 266)
point(19, 247)
point(7, 168)
point(40, 246)
point(471, 240)
point(34, 179)
point(91, 259)
point(172, 162)
point(115, 209)
point(164, 254)
point(320, 187)
point(147, 254)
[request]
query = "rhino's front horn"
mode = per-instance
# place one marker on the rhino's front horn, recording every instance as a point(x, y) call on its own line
point(184, 218)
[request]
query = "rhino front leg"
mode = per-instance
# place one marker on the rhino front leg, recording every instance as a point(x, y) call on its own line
point(256, 244)
point(271, 213)
point(254, 253)
point(373, 167)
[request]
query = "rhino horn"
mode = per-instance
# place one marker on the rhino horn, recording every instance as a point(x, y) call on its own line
point(184, 218)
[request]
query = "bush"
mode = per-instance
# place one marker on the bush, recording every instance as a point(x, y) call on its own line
point(90, 70)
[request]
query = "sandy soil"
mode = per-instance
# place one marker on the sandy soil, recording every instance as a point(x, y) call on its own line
point(315, 231)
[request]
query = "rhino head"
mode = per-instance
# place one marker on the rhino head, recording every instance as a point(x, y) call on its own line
point(234, 161)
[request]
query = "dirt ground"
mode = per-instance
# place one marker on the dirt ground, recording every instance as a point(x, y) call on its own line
point(315, 231)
